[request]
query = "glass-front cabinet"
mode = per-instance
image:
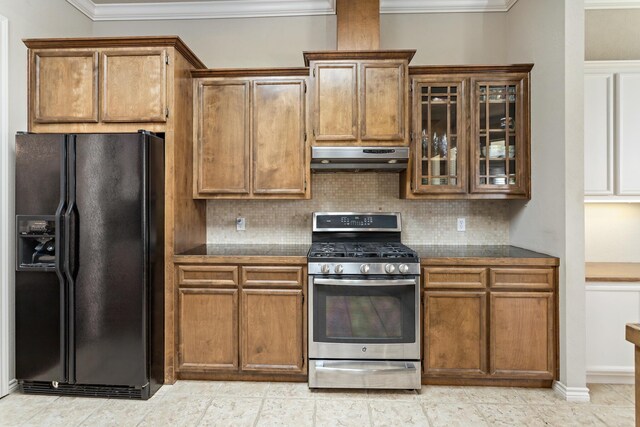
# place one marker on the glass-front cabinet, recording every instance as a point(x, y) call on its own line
point(470, 134)
point(500, 135)
point(440, 147)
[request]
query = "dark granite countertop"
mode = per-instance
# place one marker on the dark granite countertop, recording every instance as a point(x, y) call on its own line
point(297, 254)
point(475, 251)
point(247, 250)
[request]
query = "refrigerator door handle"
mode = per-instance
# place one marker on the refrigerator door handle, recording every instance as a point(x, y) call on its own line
point(60, 248)
point(70, 252)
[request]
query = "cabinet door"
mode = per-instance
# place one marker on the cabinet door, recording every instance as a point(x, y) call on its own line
point(279, 151)
point(335, 102)
point(440, 151)
point(500, 135)
point(455, 334)
point(522, 334)
point(272, 330)
point(598, 134)
point(63, 86)
point(221, 164)
point(628, 134)
point(383, 91)
point(208, 329)
point(134, 85)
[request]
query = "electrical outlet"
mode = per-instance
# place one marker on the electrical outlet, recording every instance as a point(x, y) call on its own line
point(462, 224)
point(241, 224)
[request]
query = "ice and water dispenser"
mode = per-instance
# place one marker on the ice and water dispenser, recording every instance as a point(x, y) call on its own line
point(36, 242)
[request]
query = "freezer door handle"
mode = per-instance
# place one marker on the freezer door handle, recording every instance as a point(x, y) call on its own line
point(70, 252)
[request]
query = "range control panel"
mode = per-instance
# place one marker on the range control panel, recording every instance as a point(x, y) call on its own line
point(356, 221)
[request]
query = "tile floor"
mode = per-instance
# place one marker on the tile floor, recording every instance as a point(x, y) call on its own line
point(192, 403)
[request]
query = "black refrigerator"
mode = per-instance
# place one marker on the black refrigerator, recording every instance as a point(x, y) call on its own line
point(89, 278)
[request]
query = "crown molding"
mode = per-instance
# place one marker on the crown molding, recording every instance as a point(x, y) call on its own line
point(445, 6)
point(263, 8)
point(203, 9)
point(611, 4)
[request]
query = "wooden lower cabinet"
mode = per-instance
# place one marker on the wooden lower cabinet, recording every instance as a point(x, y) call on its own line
point(239, 322)
point(208, 335)
point(271, 330)
point(455, 333)
point(522, 334)
point(498, 328)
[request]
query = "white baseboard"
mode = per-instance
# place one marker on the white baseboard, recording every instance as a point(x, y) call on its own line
point(572, 394)
point(13, 385)
point(611, 374)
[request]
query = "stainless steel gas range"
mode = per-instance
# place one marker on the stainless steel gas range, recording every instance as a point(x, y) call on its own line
point(364, 303)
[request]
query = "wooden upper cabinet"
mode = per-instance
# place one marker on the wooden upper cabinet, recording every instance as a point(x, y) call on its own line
point(500, 153)
point(470, 134)
point(279, 151)
point(134, 85)
point(221, 137)
point(360, 97)
point(109, 84)
point(250, 134)
point(383, 101)
point(335, 102)
point(439, 164)
point(63, 86)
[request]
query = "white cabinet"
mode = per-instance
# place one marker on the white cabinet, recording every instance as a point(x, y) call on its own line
point(598, 134)
point(612, 131)
point(628, 125)
point(609, 307)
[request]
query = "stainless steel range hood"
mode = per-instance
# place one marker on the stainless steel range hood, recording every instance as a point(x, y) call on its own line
point(383, 159)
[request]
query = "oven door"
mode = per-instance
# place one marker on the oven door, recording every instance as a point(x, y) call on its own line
point(364, 318)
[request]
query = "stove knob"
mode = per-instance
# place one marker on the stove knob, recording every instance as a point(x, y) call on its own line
point(364, 268)
point(404, 268)
point(338, 269)
point(324, 269)
point(390, 268)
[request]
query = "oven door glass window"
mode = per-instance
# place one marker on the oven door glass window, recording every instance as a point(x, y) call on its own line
point(361, 313)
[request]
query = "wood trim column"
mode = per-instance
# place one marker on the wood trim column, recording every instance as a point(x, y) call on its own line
point(358, 24)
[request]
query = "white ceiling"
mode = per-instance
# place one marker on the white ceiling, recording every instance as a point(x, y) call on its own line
point(126, 10)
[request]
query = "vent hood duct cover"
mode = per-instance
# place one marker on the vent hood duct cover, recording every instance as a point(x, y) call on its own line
point(388, 159)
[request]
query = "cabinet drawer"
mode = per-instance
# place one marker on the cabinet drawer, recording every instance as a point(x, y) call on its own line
point(523, 278)
point(290, 277)
point(446, 277)
point(200, 275)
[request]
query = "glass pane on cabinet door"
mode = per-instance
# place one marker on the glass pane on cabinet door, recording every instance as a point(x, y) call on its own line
point(497, 134)
point(438, 135)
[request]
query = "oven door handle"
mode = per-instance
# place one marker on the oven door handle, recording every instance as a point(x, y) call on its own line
point(401, 367)
point(346, 282)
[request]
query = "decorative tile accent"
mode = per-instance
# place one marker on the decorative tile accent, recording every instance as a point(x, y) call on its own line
point(423, 221)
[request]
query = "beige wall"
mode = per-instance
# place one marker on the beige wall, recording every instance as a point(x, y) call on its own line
point(612, 232)
point(445, 38)
point(245, 43)
point(612, 34)
point(27, 19)
point(550, 33)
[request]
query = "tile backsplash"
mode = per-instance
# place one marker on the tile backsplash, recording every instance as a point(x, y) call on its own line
point(423, 222)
